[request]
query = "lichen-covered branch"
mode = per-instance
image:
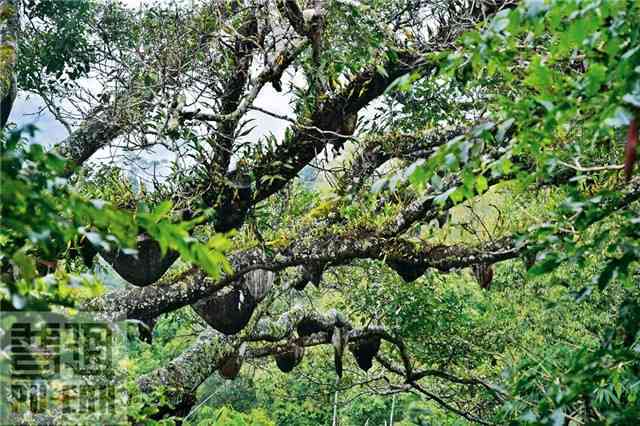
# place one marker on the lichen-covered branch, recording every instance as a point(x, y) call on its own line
point(151, 301)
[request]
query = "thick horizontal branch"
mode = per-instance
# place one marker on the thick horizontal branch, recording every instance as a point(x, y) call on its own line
point(403, 256)
point(335, 116)
point(151, 301)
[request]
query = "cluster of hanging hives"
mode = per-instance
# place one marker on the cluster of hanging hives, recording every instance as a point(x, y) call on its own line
point(363, 350)
point(230, 310)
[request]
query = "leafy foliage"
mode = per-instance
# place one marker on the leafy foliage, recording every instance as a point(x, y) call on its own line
point(43, 218)
point(534, 109)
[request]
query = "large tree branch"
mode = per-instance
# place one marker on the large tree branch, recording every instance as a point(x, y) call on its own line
point(331, 116)
point(151, 301)
point(407, 258)
point(278, 167)
point(95, 132)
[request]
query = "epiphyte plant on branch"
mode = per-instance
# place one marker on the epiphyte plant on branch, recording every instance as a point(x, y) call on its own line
point(412, 112)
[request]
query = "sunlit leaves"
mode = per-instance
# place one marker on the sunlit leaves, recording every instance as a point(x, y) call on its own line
point(568, 79)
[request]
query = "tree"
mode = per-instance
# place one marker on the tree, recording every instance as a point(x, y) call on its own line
point(410, 124)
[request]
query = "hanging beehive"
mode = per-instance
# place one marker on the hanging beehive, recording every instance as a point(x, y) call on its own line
point(229, 366)
point(483, 273)
point(229, 311)
point(364, 350)
point(407, 270)
point(288, 360)
point(308, 326)
point(146, 267)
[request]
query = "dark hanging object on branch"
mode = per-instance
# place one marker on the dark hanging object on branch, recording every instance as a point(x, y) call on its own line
point(88, 252)
point(300, 283)
point(364, 350)
point(85, 250)
point(308, 326)
point(483, 273)
point(229, 312)
point(147, 267)
point(229, 366)
point(287, 361)
point(310, 273)
point(407, 270)
point(529, 259)
point(6, 104)
point(313, 273)
point(258, 283)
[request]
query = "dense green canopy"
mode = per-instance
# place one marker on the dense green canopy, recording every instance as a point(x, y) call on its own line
point(446, 231)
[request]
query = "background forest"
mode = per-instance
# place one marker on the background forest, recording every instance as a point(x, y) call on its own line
point(332, 212)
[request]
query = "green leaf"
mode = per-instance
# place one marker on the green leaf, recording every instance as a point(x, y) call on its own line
point(481, 184)
point(26, 264)
point(419, 175)
point(595, 77)
point(539, 76)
